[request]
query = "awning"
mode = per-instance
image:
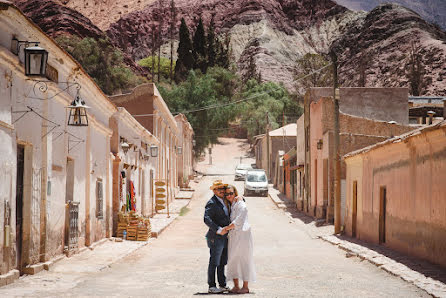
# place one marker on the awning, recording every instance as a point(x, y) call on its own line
point(297, 167)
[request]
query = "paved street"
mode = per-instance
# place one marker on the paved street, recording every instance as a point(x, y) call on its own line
point(289, 262)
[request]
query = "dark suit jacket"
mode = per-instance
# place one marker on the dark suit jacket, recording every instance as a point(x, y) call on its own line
point(215, 217)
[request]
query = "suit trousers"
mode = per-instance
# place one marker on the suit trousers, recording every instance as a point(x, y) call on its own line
point(218, 248)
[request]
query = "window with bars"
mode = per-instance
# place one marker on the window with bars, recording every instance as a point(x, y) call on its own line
point(99, 199)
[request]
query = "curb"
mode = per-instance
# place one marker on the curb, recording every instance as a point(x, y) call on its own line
point(431, 286)
point(9, 278)
point(155, 234)
point(279, 203)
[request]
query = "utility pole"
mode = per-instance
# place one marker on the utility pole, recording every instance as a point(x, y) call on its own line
point(268, 161)
point(160, 28)
point(210, 155)
point(337, 161)
point(152, 70)
point(173, 21)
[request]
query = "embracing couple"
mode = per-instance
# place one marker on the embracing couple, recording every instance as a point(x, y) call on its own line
point(229, 240)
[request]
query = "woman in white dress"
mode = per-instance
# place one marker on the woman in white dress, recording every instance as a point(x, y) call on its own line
point(240, 247)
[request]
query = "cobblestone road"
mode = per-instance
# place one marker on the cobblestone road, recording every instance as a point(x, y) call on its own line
point(290, 263)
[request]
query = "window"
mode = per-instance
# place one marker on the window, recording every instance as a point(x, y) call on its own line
point(257, 177)
point(99, 199)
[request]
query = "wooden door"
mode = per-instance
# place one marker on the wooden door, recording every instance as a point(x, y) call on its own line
point(354, 208)
point(19, 204)
point(382, 214)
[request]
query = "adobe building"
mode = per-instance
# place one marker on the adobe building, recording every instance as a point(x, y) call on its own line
point(426, 110)
point(134, 167)
point(147, 106)
point(396, 193)
point(300, 163)
point(281, 139)
point(365, 114)
point(289, 184)
point(185, 152)
point(55, 169)
point(259, 148)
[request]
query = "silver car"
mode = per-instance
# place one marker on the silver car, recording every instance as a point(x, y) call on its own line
point(256, 183)
point(241, 170)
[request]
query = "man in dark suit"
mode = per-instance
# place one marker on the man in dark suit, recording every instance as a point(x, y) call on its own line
point(216, 217)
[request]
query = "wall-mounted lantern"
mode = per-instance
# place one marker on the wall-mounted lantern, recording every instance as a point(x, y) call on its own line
point(36, 59)
point(125, 146)
point(179, 150)
point(319, 144)
point(194, 143)
point(78, 112)
point(154, 151)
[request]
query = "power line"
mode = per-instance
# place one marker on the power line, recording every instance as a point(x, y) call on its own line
point(215, 106)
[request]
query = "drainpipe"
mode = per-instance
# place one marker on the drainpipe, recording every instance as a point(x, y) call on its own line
point(431, 116)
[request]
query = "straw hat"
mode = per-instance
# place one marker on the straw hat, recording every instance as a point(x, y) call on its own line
point(217, 184)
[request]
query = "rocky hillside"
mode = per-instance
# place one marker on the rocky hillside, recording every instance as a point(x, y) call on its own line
point(56, 20)
point(433, 11)
point(104, 12)
point(382, 42)
point(277, 32)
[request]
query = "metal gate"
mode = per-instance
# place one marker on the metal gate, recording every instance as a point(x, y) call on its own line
point(73, 225)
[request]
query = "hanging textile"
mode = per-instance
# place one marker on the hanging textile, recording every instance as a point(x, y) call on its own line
point(127, 202)
point(132, 196)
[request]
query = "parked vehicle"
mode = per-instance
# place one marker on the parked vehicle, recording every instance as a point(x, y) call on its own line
point(241, 170)
point(256, 183)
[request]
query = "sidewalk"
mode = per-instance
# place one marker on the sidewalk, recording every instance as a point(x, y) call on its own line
point(426, 276)
point(99, 256)
point(160, 221)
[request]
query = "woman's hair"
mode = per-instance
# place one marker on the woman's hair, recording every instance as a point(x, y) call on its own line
point(233, 188)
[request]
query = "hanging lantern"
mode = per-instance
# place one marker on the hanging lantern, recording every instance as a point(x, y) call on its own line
point(125, 146)
point(36, 59)
point(78, 112)
point(154, 151)
point(179, 150)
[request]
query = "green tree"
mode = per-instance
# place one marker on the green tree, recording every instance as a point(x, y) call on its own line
point(102, 61)
point(223, 52)
point(185, 60)
point(199, 48)
point(415, 70)
point(252, 72)
point(151, 61)
point(265, 99)
point(308, 64)
point(211, 50)
point(215, 88)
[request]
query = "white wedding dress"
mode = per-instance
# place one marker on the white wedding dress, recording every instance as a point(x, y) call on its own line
point(240, 247)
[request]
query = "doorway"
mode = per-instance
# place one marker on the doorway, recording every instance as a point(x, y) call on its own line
point(354, 208)
point(19, 205)
point(382, 214)
point(69, 191)
point(151, 191)
point(315, 188)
